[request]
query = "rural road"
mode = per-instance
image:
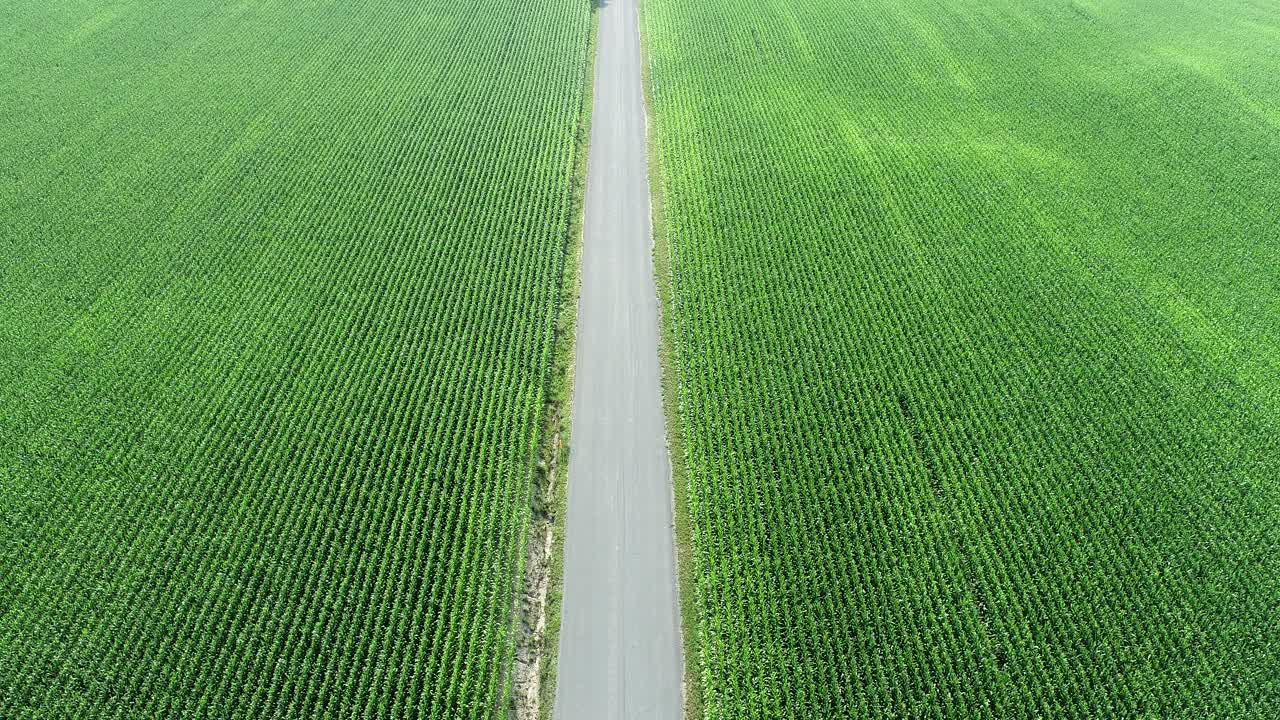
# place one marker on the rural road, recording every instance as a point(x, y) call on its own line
point(619, 635)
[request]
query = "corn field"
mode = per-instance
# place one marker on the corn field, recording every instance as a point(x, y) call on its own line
point(277, 286)
point(975, 315)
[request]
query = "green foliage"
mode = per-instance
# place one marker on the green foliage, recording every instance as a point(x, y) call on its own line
point(975, 315)
point(277, 293)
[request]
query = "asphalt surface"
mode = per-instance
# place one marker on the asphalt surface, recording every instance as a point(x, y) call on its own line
point(619, 634)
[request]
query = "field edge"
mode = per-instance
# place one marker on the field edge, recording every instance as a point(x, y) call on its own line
point(668, 355)
point(549, 498)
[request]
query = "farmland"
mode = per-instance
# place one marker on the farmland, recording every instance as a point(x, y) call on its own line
point(278, 283)
point(973, 309)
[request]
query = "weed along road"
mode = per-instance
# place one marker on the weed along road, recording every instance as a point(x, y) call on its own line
point(619, 651)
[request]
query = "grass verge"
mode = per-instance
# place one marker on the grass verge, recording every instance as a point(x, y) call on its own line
point(668, 355)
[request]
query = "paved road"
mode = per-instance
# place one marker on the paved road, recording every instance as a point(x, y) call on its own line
point(619, 634)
